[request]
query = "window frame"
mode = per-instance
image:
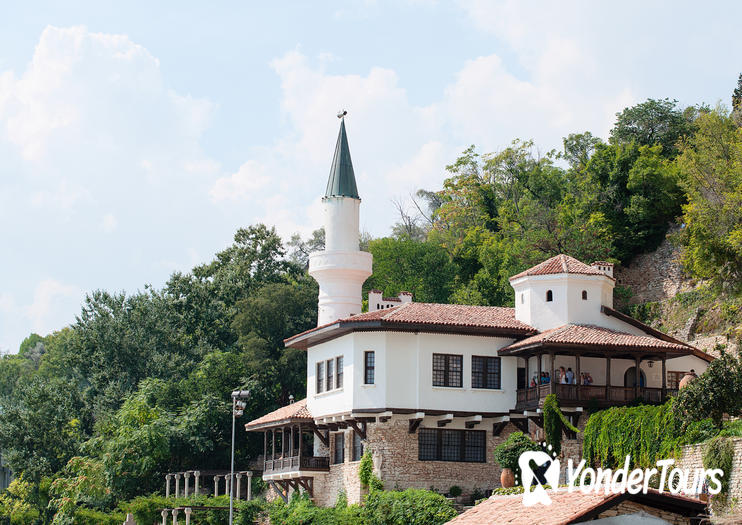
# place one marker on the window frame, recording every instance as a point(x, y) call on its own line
point(447, 370)
point(339, 372)
point(357, 451)
point(329, 374)
point(369, 370)
point(549, 296)
point(452, 445)
point(339, 438)
point(320, 379)
point(487, 362)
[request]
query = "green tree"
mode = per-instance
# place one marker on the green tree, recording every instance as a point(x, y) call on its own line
point(654, 122)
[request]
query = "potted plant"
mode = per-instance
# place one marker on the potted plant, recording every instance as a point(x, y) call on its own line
point(507, 454)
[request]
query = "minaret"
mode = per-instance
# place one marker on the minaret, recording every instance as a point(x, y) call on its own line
point(342, 268)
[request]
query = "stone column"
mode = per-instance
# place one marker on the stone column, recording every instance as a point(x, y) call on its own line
point(164, 514)
point(239, 482)
point(249, 486)
point(188, 512)
point(226, 485)
point(196, 475)
point(216, 486)
point(175, 516)
point(187, 477)
point(130, 519)
point(177, 485)
point(167, 485)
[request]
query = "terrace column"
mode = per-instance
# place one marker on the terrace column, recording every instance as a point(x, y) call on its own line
point(226, 485)
point(607, 378)
point(528, 381)
point(538, 378)
point(164, 514)
point(167, 485)
point(553, 378)
point(638, 376)
point(578, 380)
point(239, 487)
point(130, 519)
point(273, 444)
point(188, 512)
point(249, 485)
point(664, 378)
point(175, 516)
point(177, 485)
point(216, 486)
point(196, 476)
point(187, 477)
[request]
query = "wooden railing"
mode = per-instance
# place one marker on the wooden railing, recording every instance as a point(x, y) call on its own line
point(618, 395)
point(295, 463)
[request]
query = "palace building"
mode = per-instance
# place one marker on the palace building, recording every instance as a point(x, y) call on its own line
point(431, 389)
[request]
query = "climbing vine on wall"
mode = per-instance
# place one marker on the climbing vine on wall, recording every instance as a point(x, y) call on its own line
point(719, 453)
point(554, 420)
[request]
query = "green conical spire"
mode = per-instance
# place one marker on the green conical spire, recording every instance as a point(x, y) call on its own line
point(342, 181)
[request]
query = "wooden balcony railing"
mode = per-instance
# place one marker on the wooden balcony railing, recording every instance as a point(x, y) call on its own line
point(574, 394)
point(296, 463)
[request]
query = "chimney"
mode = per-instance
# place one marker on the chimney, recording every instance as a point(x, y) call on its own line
point(375, 300)
point(603, 266)
point(405, 297)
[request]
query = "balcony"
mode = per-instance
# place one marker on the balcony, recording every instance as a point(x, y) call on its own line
point(582, 395)
point(295, 464)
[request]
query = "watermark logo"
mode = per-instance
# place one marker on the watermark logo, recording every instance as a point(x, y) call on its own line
point(539, 469)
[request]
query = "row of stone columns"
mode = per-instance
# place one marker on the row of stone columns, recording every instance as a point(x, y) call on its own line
point(187, 477)
point(187, 511)
point(197, 492)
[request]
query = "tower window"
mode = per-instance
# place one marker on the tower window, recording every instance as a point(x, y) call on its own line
point(522, 298)
point(549, 296)
point(584, 295)
point(369, 367)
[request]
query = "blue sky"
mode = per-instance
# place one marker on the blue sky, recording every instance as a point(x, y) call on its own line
point(136, 137)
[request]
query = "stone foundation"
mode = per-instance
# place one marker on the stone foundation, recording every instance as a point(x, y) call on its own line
point(629, 507)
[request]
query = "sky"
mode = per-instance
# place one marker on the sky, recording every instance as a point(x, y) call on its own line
point(136, 137)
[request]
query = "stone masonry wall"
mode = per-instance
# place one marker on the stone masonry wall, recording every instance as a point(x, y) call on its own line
point(692, 458)
point(630, 507)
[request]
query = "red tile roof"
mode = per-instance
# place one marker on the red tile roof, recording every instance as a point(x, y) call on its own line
point(566, 507)
point(591, 335)
point(436, 317)
point(297, 411)
point(560, 264)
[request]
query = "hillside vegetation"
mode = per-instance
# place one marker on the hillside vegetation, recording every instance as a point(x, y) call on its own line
point(138, 385)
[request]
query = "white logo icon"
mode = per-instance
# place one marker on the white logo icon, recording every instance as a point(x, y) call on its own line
point(551, 475)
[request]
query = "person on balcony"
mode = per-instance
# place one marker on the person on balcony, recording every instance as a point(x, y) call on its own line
point(570, 376)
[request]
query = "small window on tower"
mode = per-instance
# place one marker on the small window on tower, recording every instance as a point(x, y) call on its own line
point(584, 295)
point(549, 296)
point(522, 298)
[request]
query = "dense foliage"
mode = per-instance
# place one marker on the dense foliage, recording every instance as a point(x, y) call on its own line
point(138, 385)
point(554, 423)
point(508, 452)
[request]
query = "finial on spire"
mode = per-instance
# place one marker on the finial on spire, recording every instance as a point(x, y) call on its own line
point(342, 113)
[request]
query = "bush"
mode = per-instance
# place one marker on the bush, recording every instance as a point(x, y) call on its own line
point(302, 511)
point(454, 491)
point(719, 453)
point(408, 507)
point(146, 509)
point(554, 420)
point(84, 516)
point(507, 453)
point(366, 473)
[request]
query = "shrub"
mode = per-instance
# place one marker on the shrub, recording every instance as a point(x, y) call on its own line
point(302, 511)
point(366, 473)
point(554, 420)
point(84, 516)
point(454, 491)
point(146, 509)
point(508, 452)
point(408, 507)
point(719, 453)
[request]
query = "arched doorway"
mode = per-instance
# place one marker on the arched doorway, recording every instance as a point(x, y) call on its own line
point(629, 378)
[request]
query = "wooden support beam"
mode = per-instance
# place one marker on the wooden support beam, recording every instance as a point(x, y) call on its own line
point(520, 421)
point(384, 416)
point(445, 420)
point(358, 428)
point(324, 438)
point(497, 428)
point(278, 488)
point(473, 420)
point(415, 420)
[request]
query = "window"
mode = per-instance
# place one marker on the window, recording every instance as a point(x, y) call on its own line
point(357, 447)
point(584, 295)
point(522, 298)
point(320, 376)
point(338, 453)
point(452, 445)
point(330, 373)
point(369, 367)
point(549, 296)
point(339, 372)
point(673, 379)
point(485, 372)
point(447, 370)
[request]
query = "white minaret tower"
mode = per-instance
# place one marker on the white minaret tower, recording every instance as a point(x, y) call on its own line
point(342, 268)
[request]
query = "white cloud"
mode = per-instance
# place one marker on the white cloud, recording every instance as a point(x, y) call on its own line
point(243, 184)
point(109, 223)
point(48, 293)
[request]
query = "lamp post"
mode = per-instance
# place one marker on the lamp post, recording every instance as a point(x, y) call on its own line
point(238, 406)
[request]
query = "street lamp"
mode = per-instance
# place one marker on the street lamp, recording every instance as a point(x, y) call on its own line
point(238, 407)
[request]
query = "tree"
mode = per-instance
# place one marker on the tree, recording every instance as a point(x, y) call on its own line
point(716, 392)
point(301, 249)
point(737, 99)
point(654, 122)
point(711, 164)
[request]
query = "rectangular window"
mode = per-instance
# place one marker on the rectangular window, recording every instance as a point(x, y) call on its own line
point(338, 455)
point(369, 368)
point(485, 372)
point(330, 373)
point(320, 376)
point(673, 379)
point(467, 446)
point(339, 372)
point(447, 370)
point(357, 447)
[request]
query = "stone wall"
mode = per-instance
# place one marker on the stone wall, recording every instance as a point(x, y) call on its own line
point(654, 276)
point(630, 507)
point(691, 458)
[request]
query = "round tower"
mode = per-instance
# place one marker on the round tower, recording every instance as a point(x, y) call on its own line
point(341, 268)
